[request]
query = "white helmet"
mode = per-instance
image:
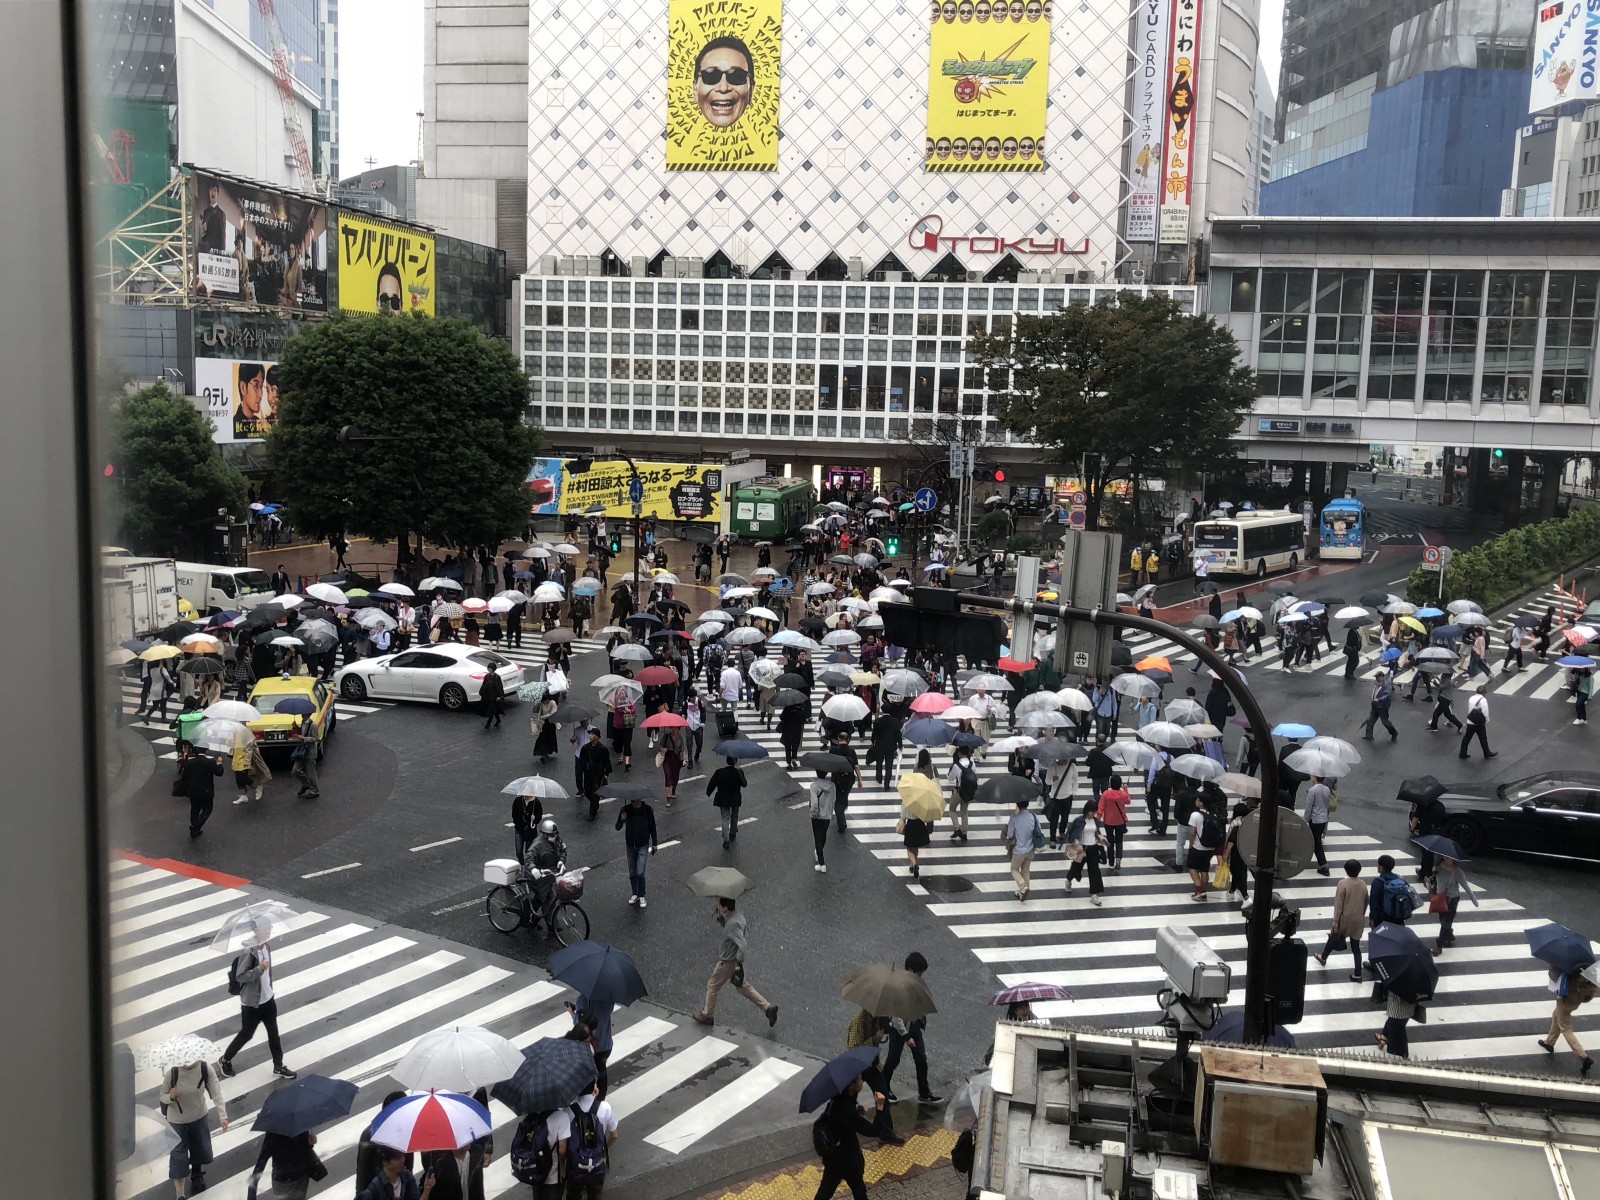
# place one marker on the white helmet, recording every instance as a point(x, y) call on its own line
point(548, 827)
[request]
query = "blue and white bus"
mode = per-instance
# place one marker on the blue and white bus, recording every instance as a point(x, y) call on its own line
point(1344, 529)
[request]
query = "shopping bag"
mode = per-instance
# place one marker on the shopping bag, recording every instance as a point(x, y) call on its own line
point(1224, 875)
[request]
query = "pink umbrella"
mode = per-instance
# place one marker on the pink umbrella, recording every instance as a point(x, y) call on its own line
point(664, 720)
point(931, 702)
point(475, 605)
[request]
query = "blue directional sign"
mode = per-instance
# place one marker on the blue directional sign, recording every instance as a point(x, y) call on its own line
point(927, 500)
point(636, 491)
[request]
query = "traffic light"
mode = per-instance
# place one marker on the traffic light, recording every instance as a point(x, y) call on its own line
point(615, 546)
point(988, 473)
point(1499, 453)
point(891, 546)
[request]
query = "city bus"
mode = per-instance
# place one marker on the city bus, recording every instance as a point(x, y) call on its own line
point(772, 508)
point(1252, 543)
point(1344, 526)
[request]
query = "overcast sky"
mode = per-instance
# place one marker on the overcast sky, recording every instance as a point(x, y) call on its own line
point(380, 77)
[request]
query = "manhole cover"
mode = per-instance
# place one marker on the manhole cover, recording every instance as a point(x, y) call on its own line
point(946, 883)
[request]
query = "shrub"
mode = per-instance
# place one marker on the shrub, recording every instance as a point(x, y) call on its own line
point(1505, 567)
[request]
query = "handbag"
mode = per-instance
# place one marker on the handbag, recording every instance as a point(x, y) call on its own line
point(1438, 903)
point(900, 827)
point(1223, 876)
point(1038, 835)
point(661, 758)
point(319, 1169)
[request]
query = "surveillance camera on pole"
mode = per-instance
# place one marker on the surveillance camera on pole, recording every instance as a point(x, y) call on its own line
point(1198, 982)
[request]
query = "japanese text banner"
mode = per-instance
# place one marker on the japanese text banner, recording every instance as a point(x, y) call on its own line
point(988, 78)
point(384, 268)
point(723, 59)
point(672, 491)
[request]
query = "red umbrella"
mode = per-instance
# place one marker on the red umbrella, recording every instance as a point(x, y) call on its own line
point(657, 676)
point(931, 702)
point(1015, 667)
point(664, 720)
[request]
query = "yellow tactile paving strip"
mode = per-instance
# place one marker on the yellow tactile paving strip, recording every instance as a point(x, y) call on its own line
point(921, 1151)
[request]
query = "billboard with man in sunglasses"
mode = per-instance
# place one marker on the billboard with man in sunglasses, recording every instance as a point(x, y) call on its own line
point(384, 268)
point(722, 85)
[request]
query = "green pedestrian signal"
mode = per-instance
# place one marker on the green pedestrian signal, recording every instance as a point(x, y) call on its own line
point(616, 543)
point(1499, 453)
point(891, 547)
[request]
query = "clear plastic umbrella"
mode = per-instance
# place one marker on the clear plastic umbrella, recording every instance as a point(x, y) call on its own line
point(530, 785)
point(1039, 702)
point(765, 671)
point(1166, 734)
point(744, 636)
point(1319, 763)
point(177, 1051)
point(1133, 754)
point(253, 925)
point(903, 683)
point(1197, 766)
point(1184, 711)
point(223, 737)
point(1337, 747)
point(1135, 686)
point(232, 710)
point(327, 593)
point(1074, 700)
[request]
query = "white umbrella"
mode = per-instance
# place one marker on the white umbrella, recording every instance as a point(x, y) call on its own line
point(119, 656)
point(1319, 763)
point(564, 548)
point(1042, 720)
point(534, 785)
point(1076, 701)
point(854, 604)
point(224, 737)
point(1184, 711)
point(501, 605)
point(397, 589)
point(990, 683)
point(1337, 747)
point(536, 552)
point(1472, 618)
point(887, 595)
point(459, 1059)
point(820, 589)
point(1167, 735)
point(287, 600)
point(761, 614)
point(195, 639)
point(327, 593)
point(744, 636)
point(1135, 686)
point(632, 652)
point(286, 639)
point(177, 1051)
point(1456, 607)
point(1240, 784)
point(764, 574)
point(444, 581)
point(741, 593)
point(961, 712)
point(1350, 612)
point(1399, 608)
point(1007, 744)
point(841, 637)
point(903, 683)
point(1197, 766)
point(1133, 754)
point(870, 621)
point(548, 593)
point(606, 681)
point(253, 925)
point(1039, 702)
point(1250, 611)
point(846, 707)
point(232, 710)
point(515, 595)
point(372, 620)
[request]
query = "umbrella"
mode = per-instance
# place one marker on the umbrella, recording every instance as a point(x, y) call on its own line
point(1431, 614)
point(1437, 654)
point(733, 580)
point(397, 589)
point(1240, 784)
point(759, 613)
point(548, 593)
point(819, 760)
point(179, 630)
point(888, 990)
point(1292, 618)
point(253, 925)
point(1293, 729)
point(744, 636)
point(119, 657)
point(927, 732)
point(621, 691)
point(784, 697)
point(836, 1075)
point(1133, 754)
point(1167, 735)
point(631, 653)
point(571, 714)
point(1559, 947)
point(461, 1058)
point(1398, 608)
point(904, 683)
point(1135, 687)
point(741, 749)
point(535, 785)
point(1007, 744)
point(475, 605)
point(655, 676)
point(449, 609)
point(1392, 654)
point(921, 797)
point(201, 643)
point(208, 666)
point(1047, 753)
point(966, 741)
point(177, 1051)
point(603, 973)
point(374, 621)
point(554, 1073)
point(1435, 843)
point(931, 703)
point(1184, 711)
point(835, 680)
point(432, 1120)
point(309, 1101)
point(327, 593)
point(232, 710)
point(841, 637)
point(845, 708)
point(1337, 747)
point(1404, 964)
point(1576, 662)
point(1473, 618)
point(224, 737)
point(664, 720)
point(718, 882)
point(1413, 623)
point(1028, 993)
point(790, 680)
point(556, 637)
point(1007, 789)
point(1319, 763)
point(1039, 702)
point(1197, 766)
point(565, 548)
point(1230, 1028)
point(1350, 613)
point(1154, 662)
point(1203, 730)
point(1074, 700)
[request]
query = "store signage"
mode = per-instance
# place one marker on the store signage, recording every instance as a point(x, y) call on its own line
point(1145, 174)
point(928, 234)
point(1344, 428)
point(1182, 90)
point(1278, 425)
point(1316, 427)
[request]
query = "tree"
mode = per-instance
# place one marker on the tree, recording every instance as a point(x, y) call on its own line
point(1131, 391)
point(172, 476)
point(446, 408)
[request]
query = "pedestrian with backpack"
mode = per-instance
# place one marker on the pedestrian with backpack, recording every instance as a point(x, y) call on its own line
point(962, 777)
point(1204, 837)
point(1023, 837)
point(250, 978)
point(393, 1181)
point(1391, 898)
point(1571, 991)
point(588, 1146)
point(836, 1137)
point(539, 1150)
point(187, 1095)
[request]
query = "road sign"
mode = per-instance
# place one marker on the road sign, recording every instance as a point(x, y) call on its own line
point(1296, 850)
point(926, 500)
point(1078, 517)
point(1445, 555)
point(1079, 499)
point(636, 491)
point(1430, 554)
point(956, 460)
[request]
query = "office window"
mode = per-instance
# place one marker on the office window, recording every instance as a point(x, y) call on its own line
point(688, 422)
point(736, 320)
point(827, 426)
point(666, 293)
point(1336, 332)
point(532, 289)
point(904, 297)
point(621, 318)
point(1028, 300)
point(756, 424)
point(710, 422)
point(1511, 334)
point(713, 293)
point(1569, 337)
point(780, 424)
point(1455, 299)
point(1285, 309)
point(760, 294)
point(802, 425)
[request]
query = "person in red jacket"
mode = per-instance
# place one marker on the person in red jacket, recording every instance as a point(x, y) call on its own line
point(1114, 817)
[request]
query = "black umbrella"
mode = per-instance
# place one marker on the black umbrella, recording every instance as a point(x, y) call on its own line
point(571, 714)
point(1205, 621)
point(179, 630)
point(784, 697)
point(1007, 789)
point(967, 741)
point(203, 664)
point(643, 618)
point(1528, 621)
point(308, 1102)
point(836, 1075)
point(740, 748)
point(1046, 753)
point(1121, 656)
point(677, 604)
point(627, 791)
point(1423, 789)
point(834, 679)
point(810, 625)
point(266, 615)
point(790, 680)
point(1359, 622)
point(1372, 599)
point(554, 1073)
point(1331, 601)
point(1404, 964)
point(818, 761)
point(265, 637)
point(1282, 587)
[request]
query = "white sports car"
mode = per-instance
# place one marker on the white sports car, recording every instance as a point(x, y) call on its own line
point(445, 673)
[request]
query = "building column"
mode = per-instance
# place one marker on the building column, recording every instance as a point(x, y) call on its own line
point(1511, 493)
point(1339, 483)
point(1478, 488)
point(1555, 466)
point(1318, 486)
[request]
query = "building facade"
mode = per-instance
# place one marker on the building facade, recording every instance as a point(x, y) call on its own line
point(817, 311)
point(1555, 171)
point(1403, 108)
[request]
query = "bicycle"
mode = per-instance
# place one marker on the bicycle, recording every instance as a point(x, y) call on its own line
point(509, 906)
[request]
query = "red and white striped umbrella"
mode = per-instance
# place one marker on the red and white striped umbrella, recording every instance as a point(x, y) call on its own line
point(475, 605)
point(431, 1121)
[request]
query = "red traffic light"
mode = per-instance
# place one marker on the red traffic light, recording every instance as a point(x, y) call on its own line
point(999, 476)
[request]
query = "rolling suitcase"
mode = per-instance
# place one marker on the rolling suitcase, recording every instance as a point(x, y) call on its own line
point(727, 724)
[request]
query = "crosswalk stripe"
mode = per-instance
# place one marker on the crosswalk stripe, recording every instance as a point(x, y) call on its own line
point(211, 899)
point(129, 901)
point(683, 1131)
point(663, 1077)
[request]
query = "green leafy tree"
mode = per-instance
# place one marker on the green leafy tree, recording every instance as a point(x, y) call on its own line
point(169, 478)
point(1132, 391)
point(446, 408)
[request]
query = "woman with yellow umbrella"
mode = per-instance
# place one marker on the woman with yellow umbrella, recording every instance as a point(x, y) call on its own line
point(921, 804)
point(162, 685)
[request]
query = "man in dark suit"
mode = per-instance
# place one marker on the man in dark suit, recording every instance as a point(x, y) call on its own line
point(199, 784)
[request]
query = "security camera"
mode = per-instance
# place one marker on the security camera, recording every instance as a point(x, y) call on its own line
point(1192, 968)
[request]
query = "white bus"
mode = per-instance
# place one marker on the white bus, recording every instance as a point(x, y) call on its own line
point(1252, 543)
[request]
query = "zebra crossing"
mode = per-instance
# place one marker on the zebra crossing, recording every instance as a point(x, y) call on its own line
point(1491, 1002)
point(353, 996)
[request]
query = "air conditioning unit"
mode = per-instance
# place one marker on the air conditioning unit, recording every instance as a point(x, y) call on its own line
point(638, 266)
point(595, 265)
point(547, 264)
point(974, 276)
point(1027, 276)
point(569, 265)
point(858, 269)
point(1083, 277)
point(697, 268)
point(893, 276)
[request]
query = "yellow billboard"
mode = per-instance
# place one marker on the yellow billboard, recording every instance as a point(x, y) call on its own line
point(723, 59)
point(384, 268)
point(988, 75)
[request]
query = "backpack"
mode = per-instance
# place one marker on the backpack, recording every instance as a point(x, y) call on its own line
point(586, 1152)
point(235, 984)
point(1582, 989)
point(1212, 832)
point(1398, 901)
point(532, 1155)
point(822, 1138)
point(967, 783)
point(172, 1080)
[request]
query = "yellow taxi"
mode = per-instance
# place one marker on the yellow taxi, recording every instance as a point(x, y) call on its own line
point(275, 728)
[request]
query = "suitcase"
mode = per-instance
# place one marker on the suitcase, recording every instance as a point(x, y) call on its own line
point(727, 724)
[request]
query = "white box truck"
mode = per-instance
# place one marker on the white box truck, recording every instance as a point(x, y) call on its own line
point(153, 590)
point(214, 589)
point(116, 604)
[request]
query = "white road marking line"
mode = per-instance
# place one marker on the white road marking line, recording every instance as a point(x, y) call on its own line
point(331, 871)
point(432, 845)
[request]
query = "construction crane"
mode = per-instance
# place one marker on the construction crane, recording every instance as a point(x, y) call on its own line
point(283, 68)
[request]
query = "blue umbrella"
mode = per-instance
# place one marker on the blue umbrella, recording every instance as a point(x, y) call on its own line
point(1446, 633)
point(835, 1076)
point(1230, 1028)
point(928, 732)
point(1390, 655)
point(1405, 965)
point(522, 575)
point(932, 567)
point(967, 741)
point(1228, 616)
point(586, 587)
point(1434, 843)
point(297, 706)
point(135, 645)
point(306, 1103)
point(1291, 729)
point(1561, 948)
point(554, 1073)
point(1428, 614)
point(1312, 607)
point(603, 973)
point(782, 584)
point(1572, 662)
point(739, 748)
point(644, 618)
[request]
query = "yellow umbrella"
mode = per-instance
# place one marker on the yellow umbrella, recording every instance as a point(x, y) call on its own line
point(156, 653)
point(1413, 623)
point(865, 679)
point(921, 797)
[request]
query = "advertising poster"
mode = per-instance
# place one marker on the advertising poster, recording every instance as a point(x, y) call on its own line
point(1566, 53)
point(1178, 172)
point(1149, 119)
point(723, 60)
point(988, 78)
point(384, 268)
point(672, 491)
point(240, 397)
point(258, 246)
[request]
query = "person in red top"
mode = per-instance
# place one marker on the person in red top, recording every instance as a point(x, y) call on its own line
point(1114, 817)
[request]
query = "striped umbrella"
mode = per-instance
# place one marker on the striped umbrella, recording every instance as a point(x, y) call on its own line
point(431, 1121)
point(1027, 993)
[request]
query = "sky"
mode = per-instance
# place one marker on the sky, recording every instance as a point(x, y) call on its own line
point(380, 77)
